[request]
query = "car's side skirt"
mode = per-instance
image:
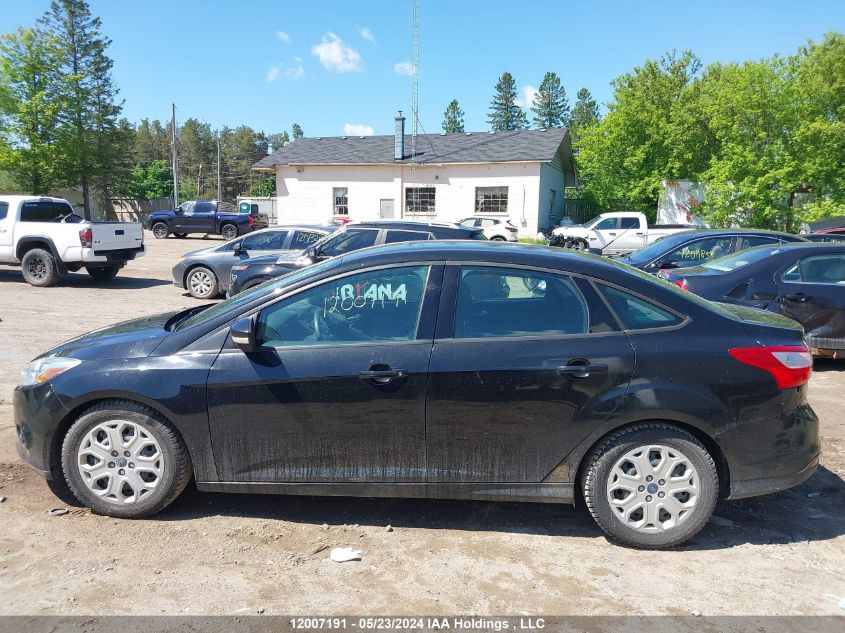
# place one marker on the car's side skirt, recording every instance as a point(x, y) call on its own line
point(537, 493)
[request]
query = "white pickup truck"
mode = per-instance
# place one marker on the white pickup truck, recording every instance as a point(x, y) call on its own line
point(614, 233)
point(47, 239)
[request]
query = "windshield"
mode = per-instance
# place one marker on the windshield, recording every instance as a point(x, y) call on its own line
point(657, 248)
point(743, 258)
point(271, 287)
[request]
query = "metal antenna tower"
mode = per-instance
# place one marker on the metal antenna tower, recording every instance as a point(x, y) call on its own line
point(415, 65)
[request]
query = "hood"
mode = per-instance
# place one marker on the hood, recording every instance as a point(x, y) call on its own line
point(131, 339)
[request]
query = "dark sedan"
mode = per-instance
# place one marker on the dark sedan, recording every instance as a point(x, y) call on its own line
point(803, 281)
point(693, 248)
point(404, 370)
point(351, 237)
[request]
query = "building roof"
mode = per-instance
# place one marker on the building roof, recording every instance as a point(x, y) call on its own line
point(471, 147)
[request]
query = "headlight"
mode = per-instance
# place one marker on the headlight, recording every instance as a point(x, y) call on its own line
point(43, 369)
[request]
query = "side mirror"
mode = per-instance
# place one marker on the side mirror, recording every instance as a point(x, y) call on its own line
point(666, 263)
point(178, 211)
point(312, 252)
point(243, 334)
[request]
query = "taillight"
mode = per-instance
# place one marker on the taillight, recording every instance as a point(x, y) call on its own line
point(512, 229)
point(86, 237)
point(682, 284)
point(251, 220)
point(789, 365)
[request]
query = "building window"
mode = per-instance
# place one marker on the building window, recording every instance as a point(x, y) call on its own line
point(491, 199)
point(419, 200)
point(341, 200)
point(552, 200)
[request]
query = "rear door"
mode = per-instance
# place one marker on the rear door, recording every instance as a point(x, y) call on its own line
point(631, 235)
point(525, 363)
point(6, 223)
point(337, 392)
point(813, 293)
point(302, 239)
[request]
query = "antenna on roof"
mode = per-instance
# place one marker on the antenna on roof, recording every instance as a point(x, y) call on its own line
point(415, 62)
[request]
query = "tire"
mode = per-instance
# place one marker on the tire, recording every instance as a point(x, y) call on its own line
point(160, 230)
point(121, 490)
point(63, 492)
point(229, 231)
point(579, 245)
point(181, 236)
point(104, 273)
point(497, 238)
point(652, 522)
point(202, 283)
point(39, 268)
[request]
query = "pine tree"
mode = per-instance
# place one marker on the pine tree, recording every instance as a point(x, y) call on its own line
point(585, 113)
point(504, 113)
point(90, 91)
point(278, 141)
point(296, 132)
point(453, 118)
point(550, 106)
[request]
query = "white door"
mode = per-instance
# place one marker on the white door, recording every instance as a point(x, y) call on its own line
point(630, 237)
point(6, 222)
point(386, 208)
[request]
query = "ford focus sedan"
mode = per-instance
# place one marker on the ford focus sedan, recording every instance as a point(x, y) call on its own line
point(448, 369)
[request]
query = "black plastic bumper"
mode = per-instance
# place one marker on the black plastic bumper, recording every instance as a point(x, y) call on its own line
point(37, 411)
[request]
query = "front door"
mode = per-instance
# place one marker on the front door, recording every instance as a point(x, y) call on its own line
point(200, 218)
point(338, 392)
point(386, 209)
point(509, 395)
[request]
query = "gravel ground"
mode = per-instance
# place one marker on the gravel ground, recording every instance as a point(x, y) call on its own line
point(240, 554)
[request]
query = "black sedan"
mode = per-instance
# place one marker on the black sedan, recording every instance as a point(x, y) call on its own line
point(693, 248)
point(351, 237)
point(803, 281)
point(405, 370)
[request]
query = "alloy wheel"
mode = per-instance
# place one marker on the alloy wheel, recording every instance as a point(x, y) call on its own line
point(37, 268)
point(160, 231)
point(653, 488)
point(120, 462)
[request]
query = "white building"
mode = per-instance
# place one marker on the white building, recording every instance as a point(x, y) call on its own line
point(519, 175)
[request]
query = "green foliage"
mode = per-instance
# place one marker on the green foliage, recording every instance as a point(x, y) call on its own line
point(453, 118)
point(278, 141)
point(148, 180)
point(585, 113)
point(533, 240)
point(550, 106)
point(263, 186)
point(820, 210)
point(504, 113)
point(31, 103)
point(296, 132)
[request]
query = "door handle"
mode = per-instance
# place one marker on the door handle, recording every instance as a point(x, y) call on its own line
point(611, 233)
point(382, 376)
point(800, 297)
point(578, 369)
point(640, 233)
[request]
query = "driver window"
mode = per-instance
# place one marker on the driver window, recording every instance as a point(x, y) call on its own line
point(375, 306)
point(606, 225)
point(699, 251)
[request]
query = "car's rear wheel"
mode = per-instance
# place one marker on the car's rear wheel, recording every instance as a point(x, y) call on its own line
point(202, 283)
point(650, 486)
point(39, 268)
point(497, 238)
point(160, 230)
point(229, 231)
point(103, 273)
point(121, 459)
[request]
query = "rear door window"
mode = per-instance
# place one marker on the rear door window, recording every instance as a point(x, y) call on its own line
point(823, 269)
point(4, 210)
point(699, 251)
point(746, 241)
point(38, 211)
point(405, 236)
point(635, 313)
point(629, 223)
point(304, 239)
point(505, 302)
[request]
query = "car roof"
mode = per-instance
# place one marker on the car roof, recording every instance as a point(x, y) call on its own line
point(405, 224)
point(296, 227)
point(739, 231)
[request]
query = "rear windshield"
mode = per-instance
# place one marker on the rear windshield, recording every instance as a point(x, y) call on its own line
point(742, 258)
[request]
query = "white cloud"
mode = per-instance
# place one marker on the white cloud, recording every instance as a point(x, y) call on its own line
point(525, 97)
point(404, 68)
point(273, 73)
point(284, 37)
point(357, 129)
point(367, 34)
point(336, 55)
point(297, 71)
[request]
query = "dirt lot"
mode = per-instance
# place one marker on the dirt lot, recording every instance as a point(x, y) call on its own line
point(229, 554)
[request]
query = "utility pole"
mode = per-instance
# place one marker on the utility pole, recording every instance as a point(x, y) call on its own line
point(219, 185)
point(175, 160)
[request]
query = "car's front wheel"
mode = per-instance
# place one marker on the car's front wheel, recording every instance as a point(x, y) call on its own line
point(650, 486)
point(122, 460)
point(160, 230)
point(202, 283)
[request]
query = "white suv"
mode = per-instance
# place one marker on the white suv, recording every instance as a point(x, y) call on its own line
point(499, 229)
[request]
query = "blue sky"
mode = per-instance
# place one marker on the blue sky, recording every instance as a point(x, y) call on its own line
point(337, 66)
